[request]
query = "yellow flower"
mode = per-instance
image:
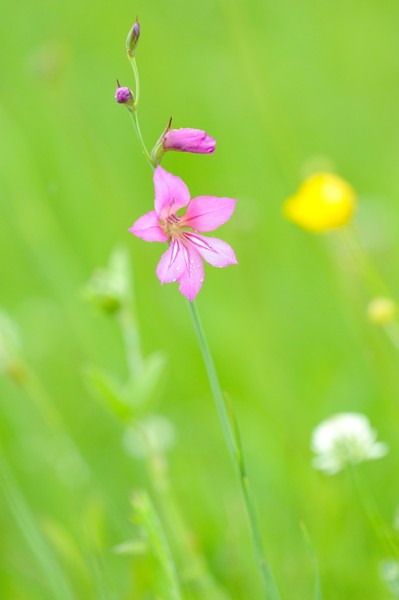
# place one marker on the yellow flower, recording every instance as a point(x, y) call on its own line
point(324, 201)
point(381, 310)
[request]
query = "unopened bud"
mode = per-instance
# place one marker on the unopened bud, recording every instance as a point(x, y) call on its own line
point(381, 310)
point(187, 139)
point(123, 95)
point(133, 39)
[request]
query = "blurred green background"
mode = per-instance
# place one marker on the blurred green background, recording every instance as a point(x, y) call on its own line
point(285, 88)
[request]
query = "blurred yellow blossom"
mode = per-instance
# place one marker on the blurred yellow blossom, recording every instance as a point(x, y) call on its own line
point(324, 201)
point(381, 310)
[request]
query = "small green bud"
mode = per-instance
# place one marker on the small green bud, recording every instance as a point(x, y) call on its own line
point(133, 39)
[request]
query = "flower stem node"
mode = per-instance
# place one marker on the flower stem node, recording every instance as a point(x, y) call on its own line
point(133, 39)
point(323, 202)
point(382, 310)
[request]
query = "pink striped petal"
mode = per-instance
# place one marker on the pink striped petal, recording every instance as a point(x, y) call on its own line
point(206, 213)
point(193, 277)
point(148, 229)
point(173, 263)
point(171, 193)
point(216, 252)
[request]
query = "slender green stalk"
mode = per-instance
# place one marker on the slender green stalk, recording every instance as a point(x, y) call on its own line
point(34, 537)
point(133, 110)
point(373, 514)
point(373, 281)
point(193, 568)
point(134, 117)
point(131, 338)
point(33, 388)
point(233, 442)
point(133, 64)
point(146, 516)
point(191, 560)
point(308, 541)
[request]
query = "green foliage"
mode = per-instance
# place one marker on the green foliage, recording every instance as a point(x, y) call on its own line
point(284, 88)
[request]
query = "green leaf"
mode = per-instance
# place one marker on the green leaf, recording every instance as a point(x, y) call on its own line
point(143, 388)
point(109, 391)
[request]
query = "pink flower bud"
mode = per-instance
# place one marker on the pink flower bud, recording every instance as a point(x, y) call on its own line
point(123, 95)
point(189, 140)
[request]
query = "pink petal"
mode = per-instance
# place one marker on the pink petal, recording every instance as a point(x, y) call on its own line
point(216, 252)
point(171, 193)
point(206, 213)
point(182, 263)
point(172, 264)
point(148, 229)
point(193, 277)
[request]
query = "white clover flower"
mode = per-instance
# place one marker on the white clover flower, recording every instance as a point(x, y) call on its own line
point(155, 433)
point(345, 438)
point(389, 571)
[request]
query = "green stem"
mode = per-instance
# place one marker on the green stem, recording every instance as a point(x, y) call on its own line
point(32, 386)
point(133, 110)
point(233, 442)
point(192, 566)
point(373, 282)
point(373, 514)
point(308, 541)
point(52, 572)
point(147, 517)
point(367, 269)
point(129, 329)
point(134, 117)
point(133, 64)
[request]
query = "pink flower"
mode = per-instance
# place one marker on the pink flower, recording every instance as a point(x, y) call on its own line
point(189, 140)
point(182, 262)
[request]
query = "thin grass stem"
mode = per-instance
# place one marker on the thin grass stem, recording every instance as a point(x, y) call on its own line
point(146, 516)
point(29, 528)
point(133, 111)
point(135, 119)
point(373, 281)
point(309, 544)
point(191, 560)
point(373, 515)
point(234, 446)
